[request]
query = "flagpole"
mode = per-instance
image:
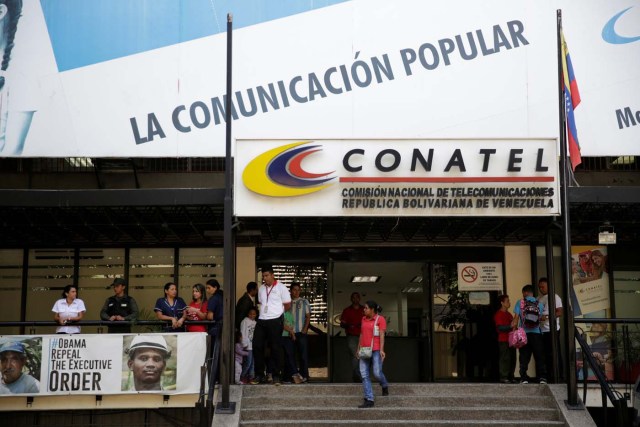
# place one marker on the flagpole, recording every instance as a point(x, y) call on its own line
point(227, 363)
point(572, 401)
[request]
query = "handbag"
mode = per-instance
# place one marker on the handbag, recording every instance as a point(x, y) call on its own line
point(367, 352)
point(517, 338)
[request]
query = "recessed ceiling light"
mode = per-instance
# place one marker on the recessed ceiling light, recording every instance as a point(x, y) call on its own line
point(411, 289)
point(365, 279)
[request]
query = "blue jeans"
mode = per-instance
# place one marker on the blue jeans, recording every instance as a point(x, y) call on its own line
point(302, 348)
point(365, 364)
point(247, 366)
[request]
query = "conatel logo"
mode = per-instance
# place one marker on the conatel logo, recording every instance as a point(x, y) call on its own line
point(610, 35)
point(279, 173)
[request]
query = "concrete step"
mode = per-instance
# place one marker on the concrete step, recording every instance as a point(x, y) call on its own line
point(450, 413)
point(403, 389)
point(405, 401)
point(425, 404)
point(413, 423)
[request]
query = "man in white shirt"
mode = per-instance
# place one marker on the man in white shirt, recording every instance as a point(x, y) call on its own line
point(543, 287)
point(274, 299)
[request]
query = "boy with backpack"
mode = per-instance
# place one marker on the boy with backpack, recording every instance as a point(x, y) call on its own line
point(528, 313)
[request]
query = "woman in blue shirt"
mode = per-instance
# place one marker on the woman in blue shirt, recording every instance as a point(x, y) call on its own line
point(171, 308)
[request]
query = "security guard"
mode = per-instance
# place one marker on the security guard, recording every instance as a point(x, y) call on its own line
point(120, 307)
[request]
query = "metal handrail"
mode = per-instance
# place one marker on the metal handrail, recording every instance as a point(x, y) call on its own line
point(617, 399)
point(102, 323)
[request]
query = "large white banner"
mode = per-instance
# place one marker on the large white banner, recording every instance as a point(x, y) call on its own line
point(102, 364)
point(153, 84)
point(396, 178)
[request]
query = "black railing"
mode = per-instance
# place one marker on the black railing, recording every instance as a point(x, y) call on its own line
point(622, 348)
point(101, 323)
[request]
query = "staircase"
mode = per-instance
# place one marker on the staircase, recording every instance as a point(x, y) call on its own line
point(434, 404)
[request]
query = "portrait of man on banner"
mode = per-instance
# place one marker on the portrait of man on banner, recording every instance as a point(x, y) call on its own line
point(149, 362)
point(20, 363)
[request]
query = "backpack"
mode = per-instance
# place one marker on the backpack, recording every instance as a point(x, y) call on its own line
point(530, 313)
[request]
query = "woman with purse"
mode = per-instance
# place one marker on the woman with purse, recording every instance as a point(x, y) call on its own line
point(371, 351)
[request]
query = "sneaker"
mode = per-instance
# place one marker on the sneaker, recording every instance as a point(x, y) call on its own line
point(543, 380)
point(524, 381)
point(276, 381)
point(256, 380)
point(269, 379)
point(505, 381)
point(297, 379)
point(366, 404)
point(304, 379)
point(385, 391)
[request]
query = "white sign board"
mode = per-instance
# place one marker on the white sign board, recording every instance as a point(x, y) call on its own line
point(484, 276)
point(356, 69)
point(396, 178)
point(103, 364)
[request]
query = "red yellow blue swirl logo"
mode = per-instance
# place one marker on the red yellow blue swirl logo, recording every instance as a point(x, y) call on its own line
point(279, 173)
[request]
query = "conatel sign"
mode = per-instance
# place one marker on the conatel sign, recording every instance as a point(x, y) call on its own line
point(396, 177)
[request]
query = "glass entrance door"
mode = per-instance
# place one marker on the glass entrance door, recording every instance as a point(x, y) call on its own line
point(464, 337)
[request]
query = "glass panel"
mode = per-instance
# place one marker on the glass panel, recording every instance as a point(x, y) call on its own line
point(313, 281)
point(197, 265)
point(626, 291)
point(97, 269)
point(313, 284)
point(149, 270)
point(50, 270)
point(10, 287)
point(445, 357)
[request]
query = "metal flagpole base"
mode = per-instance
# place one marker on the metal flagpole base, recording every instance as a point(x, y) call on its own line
point(577, 407)
point(231, 409)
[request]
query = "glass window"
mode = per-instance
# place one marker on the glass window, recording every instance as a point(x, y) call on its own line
point(197, 265)
point(10, 287)
point(149, 270)
point(50, 270)
point(313, 284)
point(97, 269)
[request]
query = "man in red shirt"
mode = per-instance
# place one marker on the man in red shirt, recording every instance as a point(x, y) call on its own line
point(350, 320)
point(507, 358)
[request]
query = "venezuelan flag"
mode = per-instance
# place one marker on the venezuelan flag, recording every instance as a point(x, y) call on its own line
point(571, 101)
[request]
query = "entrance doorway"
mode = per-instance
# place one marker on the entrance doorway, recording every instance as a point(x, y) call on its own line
point(312, 279)
point(434, 332)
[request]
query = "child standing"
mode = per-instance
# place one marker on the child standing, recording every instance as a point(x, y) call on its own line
point(247, 326)
point(240, 354)
point(507, 358)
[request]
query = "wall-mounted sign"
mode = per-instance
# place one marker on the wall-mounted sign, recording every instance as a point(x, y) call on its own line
point(479, 298)
point(103, 364)
point(485, 276)
point(396, 177)
point(129, 87)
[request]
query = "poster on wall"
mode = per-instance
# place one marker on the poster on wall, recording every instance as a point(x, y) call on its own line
point(590, 279)
point(592, 298)
point(101, 364)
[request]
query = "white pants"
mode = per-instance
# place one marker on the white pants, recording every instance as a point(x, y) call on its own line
point(238, 371)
